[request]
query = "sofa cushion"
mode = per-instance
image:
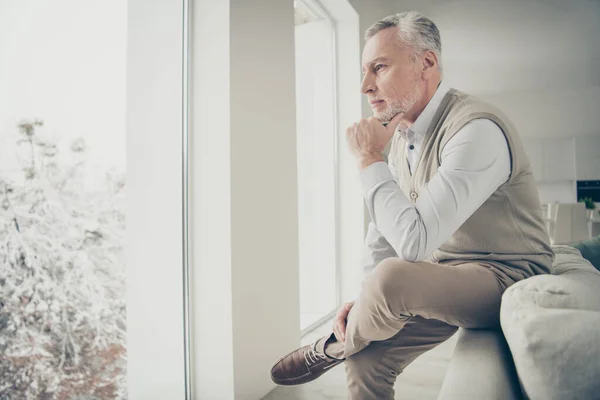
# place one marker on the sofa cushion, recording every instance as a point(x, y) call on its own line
point(552, 324)
point(590, 250)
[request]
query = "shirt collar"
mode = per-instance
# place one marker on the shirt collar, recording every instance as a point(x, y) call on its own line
point(419, 128)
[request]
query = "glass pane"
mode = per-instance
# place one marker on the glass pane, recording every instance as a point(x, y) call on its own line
point(315, 119)
point(62, 183)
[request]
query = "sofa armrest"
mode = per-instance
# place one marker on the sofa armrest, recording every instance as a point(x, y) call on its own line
point(481, 368)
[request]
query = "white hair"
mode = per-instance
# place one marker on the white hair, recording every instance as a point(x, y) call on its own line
point(416, 30)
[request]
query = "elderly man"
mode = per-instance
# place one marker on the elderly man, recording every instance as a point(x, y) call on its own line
point(455, 216)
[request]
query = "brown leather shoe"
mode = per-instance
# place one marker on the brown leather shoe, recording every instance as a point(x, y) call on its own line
point(302, 365)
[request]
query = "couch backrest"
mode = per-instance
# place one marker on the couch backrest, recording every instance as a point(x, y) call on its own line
point(590, 250)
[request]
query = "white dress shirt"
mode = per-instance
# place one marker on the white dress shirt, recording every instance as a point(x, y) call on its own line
point(474, 163)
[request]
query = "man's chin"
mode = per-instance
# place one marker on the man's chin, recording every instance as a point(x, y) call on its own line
point(382, 117)
point(386, 117)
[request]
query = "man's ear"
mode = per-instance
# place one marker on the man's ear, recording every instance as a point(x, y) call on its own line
point(429, 63)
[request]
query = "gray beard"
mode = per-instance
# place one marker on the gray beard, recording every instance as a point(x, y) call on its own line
point(386, 115)
point(389, 113)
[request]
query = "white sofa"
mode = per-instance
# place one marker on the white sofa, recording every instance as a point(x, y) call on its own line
point(549, 346)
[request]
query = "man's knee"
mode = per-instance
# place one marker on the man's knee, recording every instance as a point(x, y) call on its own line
point(391, 277)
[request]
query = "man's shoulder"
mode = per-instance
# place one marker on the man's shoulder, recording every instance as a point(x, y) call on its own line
point(461, 100)
point(461, 108)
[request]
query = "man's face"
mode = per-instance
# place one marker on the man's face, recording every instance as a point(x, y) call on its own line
point(391, 80)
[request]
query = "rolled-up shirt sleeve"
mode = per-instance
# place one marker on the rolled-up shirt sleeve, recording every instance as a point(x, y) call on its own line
point(474, 163)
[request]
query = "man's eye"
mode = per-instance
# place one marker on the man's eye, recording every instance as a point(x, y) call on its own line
point(377, 67)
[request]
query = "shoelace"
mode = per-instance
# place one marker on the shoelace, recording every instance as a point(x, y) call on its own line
point(313, 356)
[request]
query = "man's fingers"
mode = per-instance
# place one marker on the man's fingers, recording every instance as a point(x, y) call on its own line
point(393, 123)
point(340, 329)
point(339, 325)
point(346, 309)
point(397, 118)
point(337, 333)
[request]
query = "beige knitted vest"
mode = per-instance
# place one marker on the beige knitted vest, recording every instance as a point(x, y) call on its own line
point(507, 231)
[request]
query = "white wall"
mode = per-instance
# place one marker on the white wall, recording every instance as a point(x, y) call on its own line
point(244, 191)
point(264, 195)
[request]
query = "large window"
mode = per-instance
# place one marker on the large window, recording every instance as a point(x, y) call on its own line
point(62, 181)
point(66, 282)
point(316, 138)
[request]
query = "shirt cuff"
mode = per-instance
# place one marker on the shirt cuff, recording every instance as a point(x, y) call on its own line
point(374, 175)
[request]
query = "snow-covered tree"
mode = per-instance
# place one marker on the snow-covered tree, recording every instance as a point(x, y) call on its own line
point(62, 276)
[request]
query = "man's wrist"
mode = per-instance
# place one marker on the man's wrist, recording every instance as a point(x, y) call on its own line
point(366, 160)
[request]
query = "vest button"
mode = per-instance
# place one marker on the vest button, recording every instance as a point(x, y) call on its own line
point(413, 195)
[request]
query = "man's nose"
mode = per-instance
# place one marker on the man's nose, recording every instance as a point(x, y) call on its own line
point(367, 85)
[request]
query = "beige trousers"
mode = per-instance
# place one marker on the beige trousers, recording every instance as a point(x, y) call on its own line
point(407, 308)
